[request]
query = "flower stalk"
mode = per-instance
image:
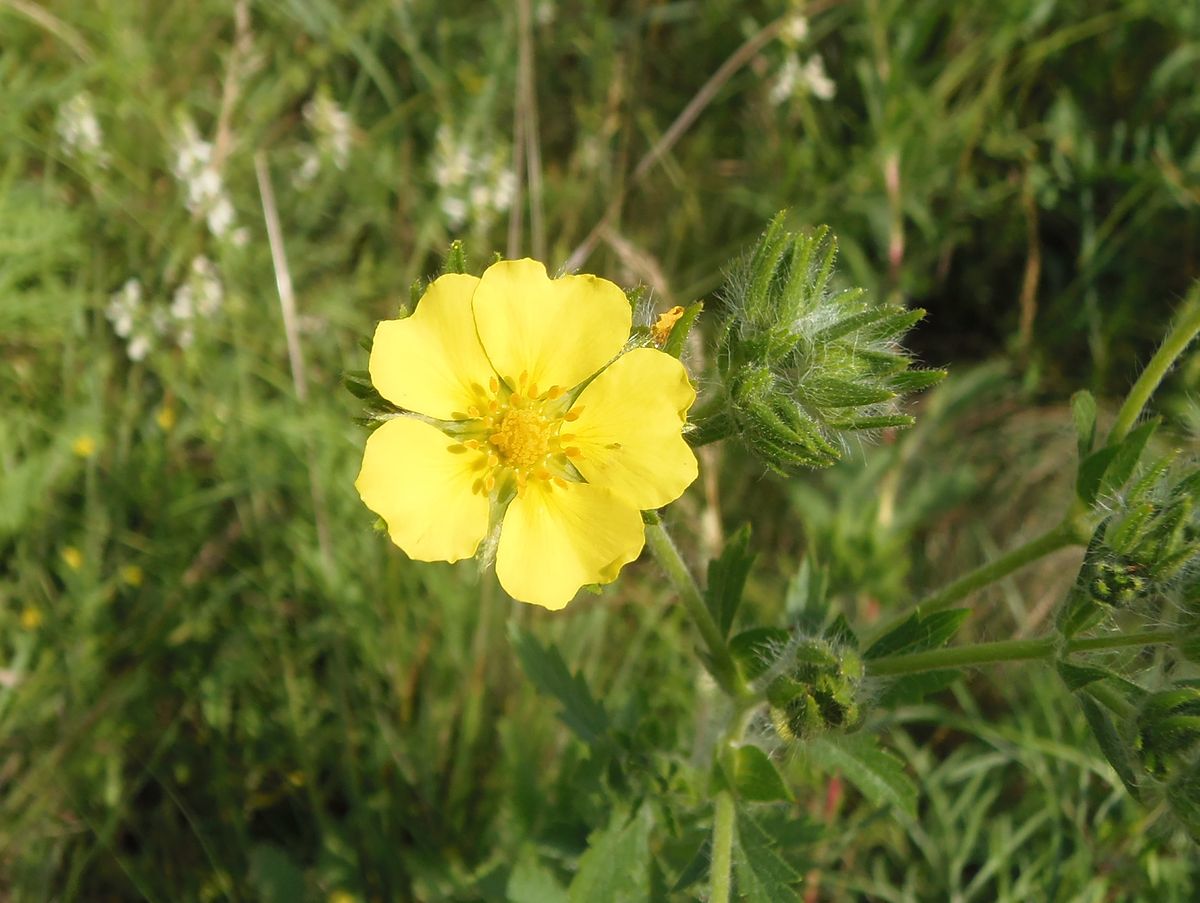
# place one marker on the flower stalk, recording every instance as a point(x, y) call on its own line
point(1009, 651)
point(667, 554)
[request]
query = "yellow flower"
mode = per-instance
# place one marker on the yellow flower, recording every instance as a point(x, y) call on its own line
point(72, 557)
point(501, 368)
point(132, 575)
point(31, 617)
point(84, 446)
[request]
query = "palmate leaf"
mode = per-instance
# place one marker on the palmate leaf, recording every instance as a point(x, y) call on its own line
point(543, 665)
point(756, 777)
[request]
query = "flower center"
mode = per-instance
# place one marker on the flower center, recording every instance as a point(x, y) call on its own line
point(521, 433)
point(523, 437)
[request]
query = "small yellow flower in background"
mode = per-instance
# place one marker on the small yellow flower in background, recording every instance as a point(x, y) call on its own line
point(533, 413)
point(31, 617)
point(165, 418)
point(72, 558)
point(132, 575)
point(342, 896)
point(661, 330)
point(84, 446)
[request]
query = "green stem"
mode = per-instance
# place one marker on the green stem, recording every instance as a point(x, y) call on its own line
point(1187, 325)
point(1008, 651)
point(720, 662)
point(710, 423)
point(1068, 533)
point(722, 847)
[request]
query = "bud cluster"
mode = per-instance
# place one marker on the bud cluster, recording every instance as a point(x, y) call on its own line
point(819, 691)
point(803, 363)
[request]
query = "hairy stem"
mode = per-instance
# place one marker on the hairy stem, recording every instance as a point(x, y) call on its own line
point(664, 550)
point(720, 871)
point(1187, 325)
point(1008, 651)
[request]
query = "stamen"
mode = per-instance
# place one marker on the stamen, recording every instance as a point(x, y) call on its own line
point(490, 482)
point(572, 415)
point(554, 392)
point(474, 411)
point(494, 383)
point(572, 452)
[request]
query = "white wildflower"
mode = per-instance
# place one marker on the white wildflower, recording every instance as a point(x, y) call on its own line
point(456, 211)
point(818, 82)
point(784, 85)
point(204, 189)
point(545, 13)
point(474, 186)
point(79, 130)
point(124, 307)
point(333, 126)
point(795, 30)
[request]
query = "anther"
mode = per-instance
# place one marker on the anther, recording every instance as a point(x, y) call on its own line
point(494, 383)
point(554, 392)
point(572, 415)
point(490, 482)
point(572, 452)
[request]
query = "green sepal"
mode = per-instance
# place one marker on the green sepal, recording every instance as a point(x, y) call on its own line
point(1116, 748)
point(456, 258)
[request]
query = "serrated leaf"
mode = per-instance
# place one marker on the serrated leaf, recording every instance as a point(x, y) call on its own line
point(912, 688)
point(1083, 412)
point(840, 631)
point(1079, 676)
point(544, 666)
point(456, 258)
point(917, 634)
point(756, 778)
point(1091, 472)
point(679, 332)
point(806, 603)
point(763, 875)
point(727, 578)
point(616, 864)
point(1114, 747)
point(696, 868)
point(878, 774)
point(757, 649)
point(1129, 452)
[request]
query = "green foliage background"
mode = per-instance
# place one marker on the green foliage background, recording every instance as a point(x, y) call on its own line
point(284, 708)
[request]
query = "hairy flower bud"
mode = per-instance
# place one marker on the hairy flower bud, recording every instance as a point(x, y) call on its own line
point(819, 692)
point(1168, 728)
point(802, 363)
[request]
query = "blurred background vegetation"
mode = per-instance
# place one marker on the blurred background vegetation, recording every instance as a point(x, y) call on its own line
point(218, 683)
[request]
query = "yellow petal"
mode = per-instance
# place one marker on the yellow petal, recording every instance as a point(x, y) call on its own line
point(555, 539)
point(629, 431)
point(558, 332)
point(420, 481)
point(432, 362)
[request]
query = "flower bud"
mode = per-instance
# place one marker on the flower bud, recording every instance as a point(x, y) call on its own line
point(802, 363)
point(819, 692)
point(1168, 728)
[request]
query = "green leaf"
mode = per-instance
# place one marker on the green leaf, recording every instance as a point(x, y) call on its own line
point(696, 868)
point(877, 773)
point(616, 865)
point(1189, 648)
point(756, 777)
point(1078, 676)
point(829, 392)
point(1112, 744)
point(806, 604)
point(1129, 452)
point(757, 649)
point(915, 380)
point(532, 882)
point(544, 666)
point(1091, 472)
point(912, 688)
point(1083, 411)
point(679, 332)
point(918, 634)
point(763, 875)
point(274, 876)
point(727, 578)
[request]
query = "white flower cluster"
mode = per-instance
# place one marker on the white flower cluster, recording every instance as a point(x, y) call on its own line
point(334, 133)
point(794, 77)
point(142, 325)
point(207, 197)
point(474, 186)
point(79, 131)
